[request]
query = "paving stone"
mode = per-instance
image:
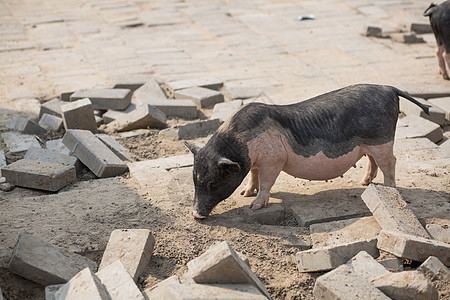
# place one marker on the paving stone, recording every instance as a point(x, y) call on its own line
point(144, 116)
point(17, 143)
point(366, 266)
point(150, 91)
point(26, 126)
point(435, 115)
point(406, 285)
point(118, 283)
point(345, 283)
point(344, 231)
point(411, 127)
point(115, 147)
point(112, 115)
point(167, 163)
point(117, 99)
point(440, 232)
point(57, 145)
point(443, 104)
point(434, 266)
point(417, 92)
point(330, 257)
point(39, 175)
point(235, 92)
point(53, 156)
point(131, 82)
point(270, 215)
point(157, 291)
point(190, 130)
point(50, 291)
point(206, 82)
point(212, 291)
point(413, 247)
point(79, 115)
point(51, 122)
point(134, 248)
point(44, 263)
point(2, 161)
point(6, 187)
point(52, 107)
point(374, 31)
point(223, 111)
point(221, 264)
point(203, 97)
point(391, 211)
point(149, 177)
point(185, 109)
point(421, 28)
point(408, 145)
point(412, 39)
point(392, 264)
point(84, 285)
point(93, 153)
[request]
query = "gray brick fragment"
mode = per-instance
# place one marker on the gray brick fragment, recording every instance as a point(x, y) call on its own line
point(435, 115)
point(84, 285)
point(444, 104)
point(411, 127)
point(421, 28)
point(51, 122)
point(157, 291)
point(112, 115)
point(366, 266)
point(144, 116)
point(115, 147)
point(134, 248)
point(412, 39)
point(223, 111)
point(93, 153)
point(52, 107)
point(53, 156)
point(57, 145)
point(149, 91)
point(17, 143)
point(374, 31)
point(212, 291)
point(44, 263)
point(406, 285)
point(345, 283)
point(180, 108)
point(117, 99)
point(434, 266)
point(191, 130)
point(203, 97)
point(2, 161)
point(391, 211)
point(206, 82)
point(26, 126)
point(79, 115)
point(39, 175)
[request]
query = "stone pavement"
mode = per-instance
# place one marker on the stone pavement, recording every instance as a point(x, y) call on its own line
point(52, 47)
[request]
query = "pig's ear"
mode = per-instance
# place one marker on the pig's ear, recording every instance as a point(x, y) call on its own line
point(194, 148)
point(229, 166)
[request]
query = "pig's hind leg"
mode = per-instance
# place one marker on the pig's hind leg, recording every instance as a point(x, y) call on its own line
point(253, 183)
point(442, 57)
point(371, 173)
point(385, 159)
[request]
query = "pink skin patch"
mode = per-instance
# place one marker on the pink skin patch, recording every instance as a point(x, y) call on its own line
point(197, 215)
point(442, 58)
point(270, 154)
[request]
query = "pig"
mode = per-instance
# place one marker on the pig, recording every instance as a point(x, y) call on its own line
point(440, 23)
point(317, 139)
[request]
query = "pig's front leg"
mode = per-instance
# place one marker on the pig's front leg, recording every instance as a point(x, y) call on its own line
point(267, 177)
point(440, 53)
point(253, 183)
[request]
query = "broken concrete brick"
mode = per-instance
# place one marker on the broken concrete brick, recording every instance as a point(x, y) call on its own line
point(117, 99)
point(443, 104)
point(206, 82)
point(374, 31)
point(6, 187)
point(144, 116)
point(202, 97)
point(112, 115)
point(51, 122)
point(26, 126)
point(44, 263)
point(221, 264)
point(413, 247)
point(421, 28)
point(180, 108)
point(212, 291)
point(408, 145)
point(270, 215)
point(435, 115)
point(98, 120)
point(406, 285)
point(115, 147)
point(52, 107)
point(156, 292)
point(434, 266)
point(131, 82)
point(134, 248)
point(237, 92)
point(53, 156)
point(345, 283)
point(327, 258)
point(93, 153)
point(191, 130)
point(39, 175)
point(17, 143)
point(84, 285)
point(391, 211)
point(79, 115)
point(224, 111)
point(50, 291)
point(57, 145)
point(366, 266)
point(343, 231)
point(411, 127)
point(439, 232)
point(2, 161)
point(412, 39)
point(392, 264)
point(118, 283)
point(149, 91)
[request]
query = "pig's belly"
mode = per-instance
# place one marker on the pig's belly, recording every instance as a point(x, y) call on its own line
point(320, 167)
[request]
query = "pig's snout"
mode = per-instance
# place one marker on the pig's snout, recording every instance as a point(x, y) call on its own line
point(197, 215)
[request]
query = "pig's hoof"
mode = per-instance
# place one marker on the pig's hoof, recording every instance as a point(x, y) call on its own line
point(258, 204)
point(248, 192)
point(197, 215)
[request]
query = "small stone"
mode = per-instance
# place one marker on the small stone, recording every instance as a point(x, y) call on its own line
point(373, 31)
point(6, 186)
